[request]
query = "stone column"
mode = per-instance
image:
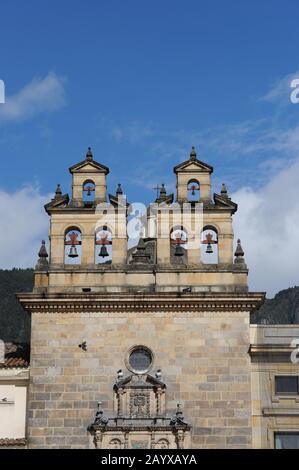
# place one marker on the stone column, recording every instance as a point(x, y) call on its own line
point(180, 439)
point(225, 248)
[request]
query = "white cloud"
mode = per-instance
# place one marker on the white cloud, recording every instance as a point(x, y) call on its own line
point(134, 132)
point(268, 224)
point(39, 96)
point(23, 225)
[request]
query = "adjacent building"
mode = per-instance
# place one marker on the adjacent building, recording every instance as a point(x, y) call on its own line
point(14, 382)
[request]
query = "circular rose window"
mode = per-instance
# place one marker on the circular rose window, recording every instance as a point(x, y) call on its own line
point(139, 359)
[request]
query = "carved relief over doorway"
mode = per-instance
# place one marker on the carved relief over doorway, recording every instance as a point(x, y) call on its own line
point(141, 421)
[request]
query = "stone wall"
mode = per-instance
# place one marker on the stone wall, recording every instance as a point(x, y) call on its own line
point(204, 361)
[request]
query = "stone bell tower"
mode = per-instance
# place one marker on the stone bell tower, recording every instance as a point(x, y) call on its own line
point(193, 171)
point(88, 171)
point(154, 337)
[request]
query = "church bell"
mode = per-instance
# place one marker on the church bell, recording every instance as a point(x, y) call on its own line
point(179, 251)
point(73, 252)
point(103, 252)
point(209, 248)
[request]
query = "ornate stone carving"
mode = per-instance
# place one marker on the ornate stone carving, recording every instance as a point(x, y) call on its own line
point(139, 404)
point(162, 444)
point(115, 444)
point(141, 420)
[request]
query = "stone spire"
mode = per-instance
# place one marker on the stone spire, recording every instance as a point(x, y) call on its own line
point(89, 155)
point(162, 190)
point(224, 192)
point(239, 255)
point(58, 193)
point(140, 256)
point(42, 263)
point(119, 190)
point(193, 154)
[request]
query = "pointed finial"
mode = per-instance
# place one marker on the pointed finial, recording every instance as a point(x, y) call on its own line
point(43, 250)
point(178, 419)
point(89, 155)
point(239, 255)
point(224, 192)
point(193, 153)
point(58, 192)
point(42, 262)
point(141, 244)
point(119, 190)
point(239, 250)
point(179, 411)
point(162, 190)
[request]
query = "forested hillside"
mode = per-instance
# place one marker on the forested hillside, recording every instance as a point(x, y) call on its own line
point(284, 308)
point(14, 322)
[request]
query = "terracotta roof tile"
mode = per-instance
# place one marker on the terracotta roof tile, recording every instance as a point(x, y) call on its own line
point(16, 356)
point(12, 362)
point(9, 442)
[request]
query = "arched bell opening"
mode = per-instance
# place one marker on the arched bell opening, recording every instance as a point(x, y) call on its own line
point(209, 245)
point(88, 192)
point(72, 246)
point(193, 190)
point(103, 245)
point(178, 245)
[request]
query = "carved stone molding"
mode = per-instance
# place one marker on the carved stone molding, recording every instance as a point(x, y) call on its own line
point(69, 303)
point(141, 421)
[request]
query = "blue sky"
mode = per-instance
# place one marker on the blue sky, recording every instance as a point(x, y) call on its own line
point(140, 82)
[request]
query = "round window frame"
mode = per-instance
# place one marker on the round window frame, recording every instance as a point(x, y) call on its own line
point(127, 359)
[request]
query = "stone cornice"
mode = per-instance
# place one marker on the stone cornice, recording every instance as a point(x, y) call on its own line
point(14, 374)
point(131, 428)
point(270, 349)
point(280, 411)
point(148, 268)
point(126, 302)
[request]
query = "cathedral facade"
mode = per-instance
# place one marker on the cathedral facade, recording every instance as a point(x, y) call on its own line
point(149, 345)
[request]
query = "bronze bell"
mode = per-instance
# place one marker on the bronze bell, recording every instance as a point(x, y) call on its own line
point(73, 252)
point(209, 248)
point(103, 252)
point(179, 251)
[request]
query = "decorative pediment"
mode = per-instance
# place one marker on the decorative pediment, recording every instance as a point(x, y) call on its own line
point(61, 202)
point(89, 166)
point(168, 199)
point(140, 419)
point(193, 166)
point(225, 203)
point(117, 201)
point(143, 381)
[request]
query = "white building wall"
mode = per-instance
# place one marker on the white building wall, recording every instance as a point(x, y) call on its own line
point(13, 403)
